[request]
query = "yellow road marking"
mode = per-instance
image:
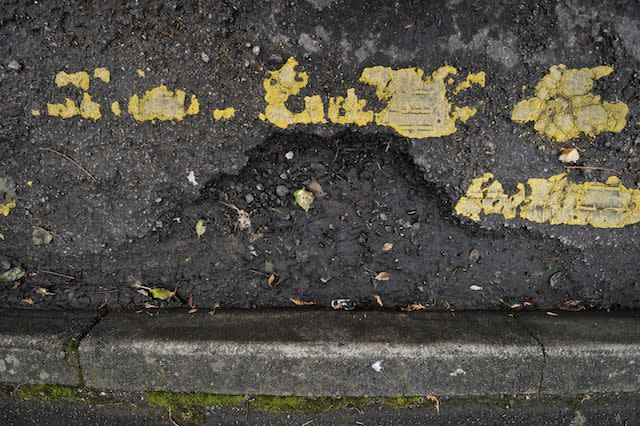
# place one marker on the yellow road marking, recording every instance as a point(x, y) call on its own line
point(224, 114)
point(102, 74)
point(162, 104)
point(564, 106)
point(78, 79)
point(554, 200)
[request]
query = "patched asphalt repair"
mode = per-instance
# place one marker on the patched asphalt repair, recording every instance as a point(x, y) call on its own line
point(120, 198)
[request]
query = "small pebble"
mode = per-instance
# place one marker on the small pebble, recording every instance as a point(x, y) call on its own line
point(205, 58)
point(283, 176)
point(289, 155)
point(246, 63)
point(249, 198)
point(259, 187)
point(282, 190)
point(14, 65)
point(256, 50)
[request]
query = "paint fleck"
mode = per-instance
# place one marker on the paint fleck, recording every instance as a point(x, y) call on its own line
point(162, 104)
point(279, 87)
point(564, 106)
point(115, 108)
point(554, 200)
point(35, 112)
point(224, 114)
point(102, 74)
point(417, 107)
point(78, 79)
point(88, 108)
point(141, 73)
point(473, 78)
point(349, 110)
point(377, 366)
point(6, 208)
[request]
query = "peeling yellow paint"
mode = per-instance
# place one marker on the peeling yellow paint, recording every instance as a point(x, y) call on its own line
point(349, 110)
point(162, 104)
point(224, 114)
point(473, 78)
point(6, 208)
point(554, 200)
point(279, 87)
point(78, 79)
point(564, 106)
point(102, 74)
point(417, 107)
point(88, 108)
point(141, 73)
point(115, 108)
point(35, 112)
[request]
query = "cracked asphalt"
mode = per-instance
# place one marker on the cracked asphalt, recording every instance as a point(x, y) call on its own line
point(106, 209)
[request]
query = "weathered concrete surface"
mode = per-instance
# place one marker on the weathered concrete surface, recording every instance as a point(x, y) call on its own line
point(39, 346)
point(588, 352)
point(313, 353)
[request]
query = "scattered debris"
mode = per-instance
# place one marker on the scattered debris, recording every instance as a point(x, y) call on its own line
point(387, 247)
point(304, 198)
point(474, 255)
point(316, 188)
point(377, 366)
point(192, 306)
point(12, 274)
point(569, 155)
point(272, 280)
point(28, 301)
point(557, 278)
point(205, 58)
point(43, 291)
point(191, 177)
point(14, 65)
point(475, 287)
point(572, 305)
point(41, 236)
point(299, 302)
point(345, 304)
point(66, 157)
point(413, 307)
point(382, 276)
point(289, 155)
point(244, 221)
point(378, 299)
point(436, 402)
point(155, 292)
point(201, 227)
point(551, 314)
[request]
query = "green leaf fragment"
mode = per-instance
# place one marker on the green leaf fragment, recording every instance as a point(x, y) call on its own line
point(304, 198)
point(12, 274)
point(161, 293)
point(201, 227)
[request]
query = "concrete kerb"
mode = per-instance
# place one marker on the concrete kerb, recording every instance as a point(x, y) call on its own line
point(320, 353)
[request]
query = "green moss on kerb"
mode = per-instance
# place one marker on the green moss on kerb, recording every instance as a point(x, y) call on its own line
point(285, 404)
point(182, 401)
point(47, 392)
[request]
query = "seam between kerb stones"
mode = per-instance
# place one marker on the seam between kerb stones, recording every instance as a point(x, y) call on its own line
point(543, 365)
point(72, 347)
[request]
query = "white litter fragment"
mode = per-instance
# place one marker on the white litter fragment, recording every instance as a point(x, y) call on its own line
point(475, 287)
point(458, 372)
point(377, 366)
point(289, 155)
point(191, 177)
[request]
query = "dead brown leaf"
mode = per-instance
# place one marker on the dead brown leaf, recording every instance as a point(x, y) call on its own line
point(571, 305)
point(299, 302)
point(387, 247)
point(378, 299)
point(43, 291)
point(436, 402)
point(413, 307)
point(273, 278)
point(28, 301)
point(149, 305)
point(382, 276)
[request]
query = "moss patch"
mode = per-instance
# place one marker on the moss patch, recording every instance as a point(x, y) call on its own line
point(47, 392)
point(284, 404)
